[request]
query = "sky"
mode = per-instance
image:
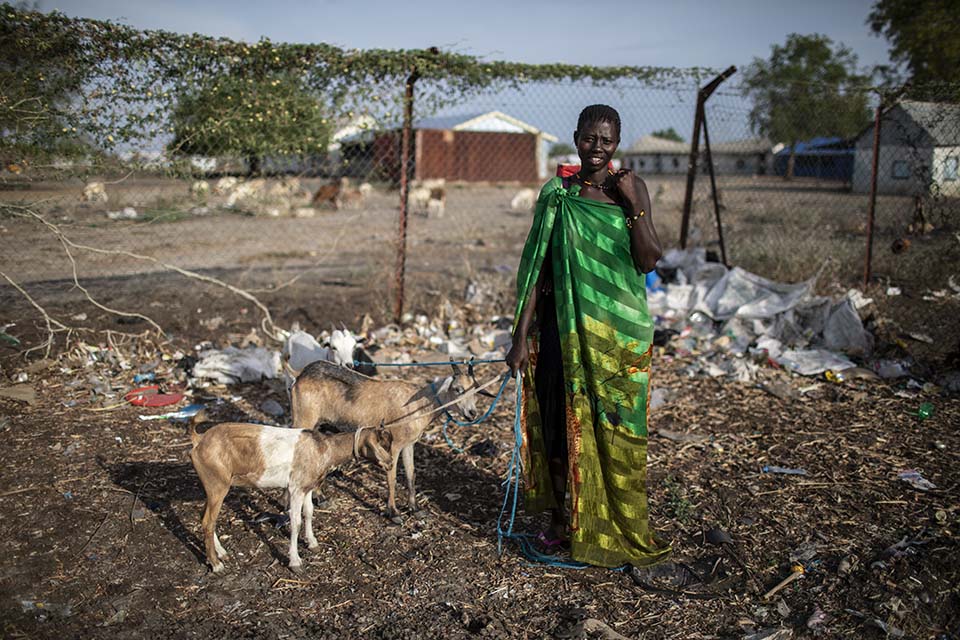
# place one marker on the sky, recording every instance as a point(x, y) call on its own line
point(678, 33)
point(673, 33)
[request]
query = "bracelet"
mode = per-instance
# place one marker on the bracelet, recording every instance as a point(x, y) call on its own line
point(631, 219)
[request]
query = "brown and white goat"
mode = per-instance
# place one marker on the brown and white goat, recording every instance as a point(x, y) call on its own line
point(326, 393)
point(254, 455)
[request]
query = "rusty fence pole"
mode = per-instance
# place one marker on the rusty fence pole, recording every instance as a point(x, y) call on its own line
point(698, 118)
point(713, 188)
point(871, 209)
point(691, 173)
point(404, 188)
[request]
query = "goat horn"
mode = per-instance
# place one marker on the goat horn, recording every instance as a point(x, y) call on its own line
point(484, 392)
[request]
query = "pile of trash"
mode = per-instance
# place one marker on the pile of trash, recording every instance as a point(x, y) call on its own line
point(732, 321)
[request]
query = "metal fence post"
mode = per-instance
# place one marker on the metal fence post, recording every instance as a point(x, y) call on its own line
point(404, 188)
point(702, 96)
point(873, 194)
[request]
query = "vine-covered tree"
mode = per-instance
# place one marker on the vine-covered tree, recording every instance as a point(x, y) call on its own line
point(807, 88)
point(43, 67)
point(924, 38)
point(668, 134)
point(250, 119)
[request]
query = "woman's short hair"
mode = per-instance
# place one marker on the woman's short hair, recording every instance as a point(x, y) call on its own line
point(599, 113)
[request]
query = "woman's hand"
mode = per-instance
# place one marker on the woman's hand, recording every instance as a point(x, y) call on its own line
point(518, 356)
point(626, 181)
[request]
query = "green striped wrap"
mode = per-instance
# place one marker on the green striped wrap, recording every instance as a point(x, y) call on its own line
point(606, 338)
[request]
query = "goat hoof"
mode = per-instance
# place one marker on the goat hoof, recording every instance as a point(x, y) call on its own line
point(296, 568)
point(421, 513)
point(217, 568)
point(397, 519)
point(313, 545)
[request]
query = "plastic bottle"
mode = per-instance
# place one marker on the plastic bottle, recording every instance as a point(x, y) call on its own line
point(925, 410)
point(833, 376)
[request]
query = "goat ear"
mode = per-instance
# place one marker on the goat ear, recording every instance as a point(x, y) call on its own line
point(445, 385)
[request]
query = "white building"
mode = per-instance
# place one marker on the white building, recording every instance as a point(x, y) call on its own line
point(919, 151)
point(753, 157)
point(650, 155)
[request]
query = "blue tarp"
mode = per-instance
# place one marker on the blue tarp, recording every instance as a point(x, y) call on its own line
point(824, 158)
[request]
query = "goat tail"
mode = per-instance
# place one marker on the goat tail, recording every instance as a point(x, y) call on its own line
point(200, 416)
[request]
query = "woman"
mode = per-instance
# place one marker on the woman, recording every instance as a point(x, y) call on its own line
point(584, 330)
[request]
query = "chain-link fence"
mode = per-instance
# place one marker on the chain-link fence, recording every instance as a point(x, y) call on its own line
point(266, 184)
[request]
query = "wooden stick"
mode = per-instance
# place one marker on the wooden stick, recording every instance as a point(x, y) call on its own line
point(796, 572)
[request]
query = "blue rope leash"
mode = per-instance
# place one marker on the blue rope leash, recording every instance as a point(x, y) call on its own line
point(514, 469)
point(450, 418)
point(512, 484)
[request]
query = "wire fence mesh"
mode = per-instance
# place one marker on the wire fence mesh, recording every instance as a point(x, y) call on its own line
point(179, 193)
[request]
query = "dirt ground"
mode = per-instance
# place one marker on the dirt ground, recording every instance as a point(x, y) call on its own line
point(100, 523)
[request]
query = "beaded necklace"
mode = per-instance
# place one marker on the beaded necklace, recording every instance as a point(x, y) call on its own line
point(602, 187)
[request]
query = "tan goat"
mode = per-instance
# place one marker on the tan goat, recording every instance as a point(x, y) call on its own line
point(254, 455)
point(327, 393)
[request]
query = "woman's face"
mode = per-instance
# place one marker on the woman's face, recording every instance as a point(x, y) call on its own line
point(596, 145)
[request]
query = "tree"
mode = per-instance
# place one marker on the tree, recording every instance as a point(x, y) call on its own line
point(562, 149)
point(807, 88)
point(924, 36)
point(668, 134)
point(251, 119)
point(44, 66)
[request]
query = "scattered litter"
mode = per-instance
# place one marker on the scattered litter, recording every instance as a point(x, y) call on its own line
point(835, 377)
point(816, 621)
point(183, 414)
point(925, 410)
point(921, 337)
point(272, 408)
point(858, 299)
point(44, 610)
point(785, 471)
point(891, 369)
point(79, 317)
point(890, 630)
point(893, 291)
point(144, 377)
point(796, 573)
point(916, 480)
point(810, 362)
point(150, 396)
point(127, 213)
point(658, 398)
point(775, 633)
point(232, 365)
point(6, 337)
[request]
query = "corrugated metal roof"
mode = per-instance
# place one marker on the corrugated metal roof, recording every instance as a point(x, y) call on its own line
point(941, 121)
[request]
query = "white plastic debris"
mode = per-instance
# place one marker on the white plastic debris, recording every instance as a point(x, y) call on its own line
point(915, 480)
point(232, 365)
point(810, 362)
point(127, 213)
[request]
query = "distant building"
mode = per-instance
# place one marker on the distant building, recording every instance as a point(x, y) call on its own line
point(753, 156)
point(654, 155)
point(489, 146)
point(822, 158)
point(919, 151)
